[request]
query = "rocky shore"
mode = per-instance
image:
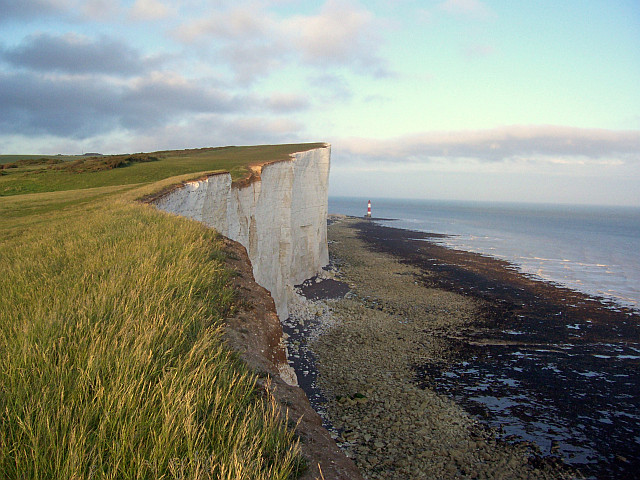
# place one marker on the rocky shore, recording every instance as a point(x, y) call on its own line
point(357, 359)
point(255, 333)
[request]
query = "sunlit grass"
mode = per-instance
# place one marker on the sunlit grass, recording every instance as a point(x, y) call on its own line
point(169, 164)
point(112, 363)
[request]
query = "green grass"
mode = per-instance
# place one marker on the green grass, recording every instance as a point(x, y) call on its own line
point(170, 163)
point(112, 363)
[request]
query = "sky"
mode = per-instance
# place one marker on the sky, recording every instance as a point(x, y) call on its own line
point(531, 101)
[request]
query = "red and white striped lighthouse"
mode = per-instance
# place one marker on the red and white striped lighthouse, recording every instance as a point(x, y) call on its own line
point(369, 209)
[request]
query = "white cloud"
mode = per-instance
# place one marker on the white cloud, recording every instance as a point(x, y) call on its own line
point(100, 9)
point(340, 33)
point(331, 87)
point(251, 61)
point(244, 22)
point(424, 16)
point(246, 38)
point(513, 142)
point(255, 41)
point(150, 10)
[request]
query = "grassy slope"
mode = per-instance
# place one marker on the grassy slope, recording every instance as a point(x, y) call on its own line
point(233, 159)
point(111, 360)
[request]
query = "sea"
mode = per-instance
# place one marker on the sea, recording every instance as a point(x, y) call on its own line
point(591, 249)
point(576, 394)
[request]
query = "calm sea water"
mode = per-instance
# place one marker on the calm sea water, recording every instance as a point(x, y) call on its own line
point(595, 250)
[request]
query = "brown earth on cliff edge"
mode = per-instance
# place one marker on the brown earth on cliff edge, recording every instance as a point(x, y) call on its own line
point(255, 170)
point(256, 334)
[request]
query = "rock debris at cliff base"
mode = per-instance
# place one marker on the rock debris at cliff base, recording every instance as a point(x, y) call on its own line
point(256, 334)
point(364, 353)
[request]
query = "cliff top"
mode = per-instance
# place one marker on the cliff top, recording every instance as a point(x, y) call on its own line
point(20, 174)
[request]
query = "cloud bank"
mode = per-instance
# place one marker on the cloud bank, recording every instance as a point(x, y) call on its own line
point(26, 9)
point(71, 106)
point(72, 53)
point(496, 145)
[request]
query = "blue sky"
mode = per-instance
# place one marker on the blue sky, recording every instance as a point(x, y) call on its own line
point(533, 101)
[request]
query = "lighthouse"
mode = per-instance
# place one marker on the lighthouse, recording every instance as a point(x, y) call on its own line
point(368, 215)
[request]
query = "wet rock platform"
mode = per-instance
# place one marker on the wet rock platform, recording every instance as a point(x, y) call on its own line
point(446, 364)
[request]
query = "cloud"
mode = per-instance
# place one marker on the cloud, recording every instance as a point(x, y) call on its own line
point(84, 106)
point(26, 9)
point(160, 96)
point(72, 53)
point(150, 10)
point(100, 9)
point(74, 10)
point(287, 102)
point(342, 33)
point(246, 38)
point(206, 130)
point(515, 143)
point(33, 105)
point(469, 8)
point(242, 22)
point(252, 61)
point(424, 16)
point(255, 41)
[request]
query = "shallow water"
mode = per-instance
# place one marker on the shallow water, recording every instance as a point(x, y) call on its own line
point(576, 401)
point(587, 248)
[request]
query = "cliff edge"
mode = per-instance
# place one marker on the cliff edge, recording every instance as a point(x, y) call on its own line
point(279, 214)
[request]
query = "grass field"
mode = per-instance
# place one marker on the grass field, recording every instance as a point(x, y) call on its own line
point(111, 356)
point(233, 159)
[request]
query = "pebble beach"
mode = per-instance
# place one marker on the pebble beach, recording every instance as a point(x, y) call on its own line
point(356, 358)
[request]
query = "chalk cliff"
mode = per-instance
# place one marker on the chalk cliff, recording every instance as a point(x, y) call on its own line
point(280, 217)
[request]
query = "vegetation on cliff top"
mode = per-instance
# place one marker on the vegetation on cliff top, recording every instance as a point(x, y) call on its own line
point(112, 363)
point(41, 177)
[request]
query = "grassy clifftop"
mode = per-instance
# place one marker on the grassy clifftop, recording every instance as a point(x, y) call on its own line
point(34, 174)
point(111, 358)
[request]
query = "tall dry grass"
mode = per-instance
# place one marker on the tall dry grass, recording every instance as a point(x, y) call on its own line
point(111, 359)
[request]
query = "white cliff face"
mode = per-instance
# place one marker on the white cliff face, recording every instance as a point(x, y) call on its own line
point(281, 219)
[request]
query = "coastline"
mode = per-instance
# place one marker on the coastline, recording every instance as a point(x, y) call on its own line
point(416, 311)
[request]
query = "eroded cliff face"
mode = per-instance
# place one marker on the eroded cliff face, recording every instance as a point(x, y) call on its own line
point(280, 218)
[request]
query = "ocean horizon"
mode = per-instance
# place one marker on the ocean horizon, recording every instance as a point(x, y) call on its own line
point(587, 248)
